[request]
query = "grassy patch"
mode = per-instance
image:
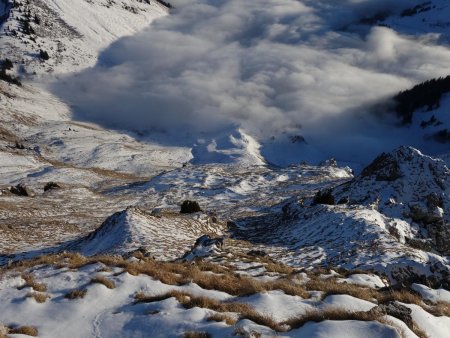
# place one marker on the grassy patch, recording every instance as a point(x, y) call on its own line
point(76, 294)
point(32, 283)
point(38, 296)
point(220, 317)
point(440, 309)
point(26, 330)
point(104, 280)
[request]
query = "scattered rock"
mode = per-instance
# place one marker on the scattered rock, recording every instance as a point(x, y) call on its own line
point(21, 190)
point(329, 163)
point(440, 235)
point(190, 207)
point(51, 186)
point(18, 145)
point(420, 243)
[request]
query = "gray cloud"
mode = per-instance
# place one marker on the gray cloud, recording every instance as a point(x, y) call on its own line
point(267, 66)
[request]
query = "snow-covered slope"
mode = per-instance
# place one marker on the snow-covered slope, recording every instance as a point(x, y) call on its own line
point(117, 194)
point(406, 184)
point(72, 32)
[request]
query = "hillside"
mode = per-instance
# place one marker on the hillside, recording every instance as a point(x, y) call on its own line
point(220, 169)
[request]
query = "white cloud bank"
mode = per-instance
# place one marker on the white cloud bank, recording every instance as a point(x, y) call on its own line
point(266, 66)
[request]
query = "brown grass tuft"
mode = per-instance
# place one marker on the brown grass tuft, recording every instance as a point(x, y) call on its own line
point(220, 317)
point(76, 294)
point(331, 313)
point(26, 330)
point(104, 280)
point(332, 287)
point(39, 297)
point(31, 282)
point(439, 309)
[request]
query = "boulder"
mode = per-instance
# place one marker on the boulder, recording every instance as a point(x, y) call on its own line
point(190, 207)
point(51, 186)
point(396, 310)
point(21, 190)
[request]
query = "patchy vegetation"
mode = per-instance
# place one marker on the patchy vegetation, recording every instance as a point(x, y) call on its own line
point(76, 294)
point(104, 280)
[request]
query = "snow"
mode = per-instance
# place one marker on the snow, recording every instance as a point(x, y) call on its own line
point(233, 177)
point(278, 305)
point(435, 327)
point(435, 296)
point(371, 281)
point(345, 329)
point(347, 302)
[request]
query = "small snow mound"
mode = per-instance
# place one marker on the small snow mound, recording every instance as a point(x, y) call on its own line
point(132, 229)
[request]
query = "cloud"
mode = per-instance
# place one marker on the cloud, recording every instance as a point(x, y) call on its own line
point(266, 66)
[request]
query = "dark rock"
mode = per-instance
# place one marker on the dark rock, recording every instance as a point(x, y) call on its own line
point(433, 201)
point(189, 207)
point(440, 235)
point(324, 197)
point(420, 243)
point(18, 145)
point(396, 310)
point(206, 240)
point(50, 186)
point(385, 168)
point(257, 253)
point(344, 200)
point(21, 190)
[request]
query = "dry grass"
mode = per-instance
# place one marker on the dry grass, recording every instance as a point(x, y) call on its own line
point(76, 294)
point(331, 313)
point(189, 301)
point(439, 309)
point(26, 330)
point(174, 273)
point(31, 282)
point(279, 268)
point(220, 317)
point(222, 279)
point(332, 287)
point(196, 334)
point(104, 280)
point(38, 296)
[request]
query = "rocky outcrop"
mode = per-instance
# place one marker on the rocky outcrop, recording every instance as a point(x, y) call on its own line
point(204, 246)
point(407, 185)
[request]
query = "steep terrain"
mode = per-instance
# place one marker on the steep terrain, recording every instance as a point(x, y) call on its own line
point(93, 243)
